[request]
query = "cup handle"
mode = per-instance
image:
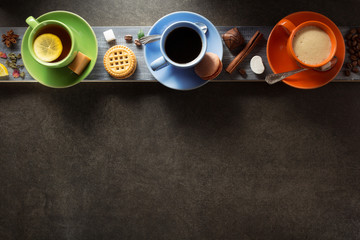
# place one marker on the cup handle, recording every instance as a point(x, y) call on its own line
point(158, 63)
point(287, 25)
point(31, 21)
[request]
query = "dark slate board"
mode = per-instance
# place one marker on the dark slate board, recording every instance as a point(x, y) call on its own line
point(142, 74)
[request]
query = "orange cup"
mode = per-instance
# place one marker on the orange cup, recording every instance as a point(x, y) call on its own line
point(291, 29)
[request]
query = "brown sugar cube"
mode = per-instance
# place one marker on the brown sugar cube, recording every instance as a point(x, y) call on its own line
point(79, 63)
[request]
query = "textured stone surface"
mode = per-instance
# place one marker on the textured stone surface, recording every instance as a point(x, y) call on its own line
point(140, 161)
point(145, 13)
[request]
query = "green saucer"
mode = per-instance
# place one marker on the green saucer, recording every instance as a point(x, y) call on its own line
point(62, 77)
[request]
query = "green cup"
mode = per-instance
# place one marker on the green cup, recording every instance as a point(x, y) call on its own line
point(41, 27)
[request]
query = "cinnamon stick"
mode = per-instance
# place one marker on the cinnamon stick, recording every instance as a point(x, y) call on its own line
point(242, 55)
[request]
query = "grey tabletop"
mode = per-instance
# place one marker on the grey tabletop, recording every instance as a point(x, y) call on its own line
point(137, 160)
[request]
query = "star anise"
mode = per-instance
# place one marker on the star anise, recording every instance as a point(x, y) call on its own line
point(10, 38)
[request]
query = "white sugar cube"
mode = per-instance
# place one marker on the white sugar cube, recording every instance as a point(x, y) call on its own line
point(109, 35)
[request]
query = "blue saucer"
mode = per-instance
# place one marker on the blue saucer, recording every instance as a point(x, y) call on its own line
point(170, 76)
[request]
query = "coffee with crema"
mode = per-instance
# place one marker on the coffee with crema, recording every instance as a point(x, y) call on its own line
point(312, 45)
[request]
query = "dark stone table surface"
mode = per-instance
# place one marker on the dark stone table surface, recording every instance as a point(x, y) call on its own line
point(141, 161)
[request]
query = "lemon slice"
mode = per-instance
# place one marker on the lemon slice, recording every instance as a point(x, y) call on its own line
point(3, 72)
point(48, 47)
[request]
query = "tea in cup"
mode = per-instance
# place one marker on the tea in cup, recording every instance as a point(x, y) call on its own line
point(52, 44)
point(312, 44)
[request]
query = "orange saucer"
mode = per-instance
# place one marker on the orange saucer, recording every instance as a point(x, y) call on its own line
point(281, 61)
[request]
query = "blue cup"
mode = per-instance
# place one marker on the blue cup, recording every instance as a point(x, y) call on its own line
point(164, 60)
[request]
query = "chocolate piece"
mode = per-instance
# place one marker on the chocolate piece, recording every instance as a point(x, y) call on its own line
point(233, 38)
point(347, 72)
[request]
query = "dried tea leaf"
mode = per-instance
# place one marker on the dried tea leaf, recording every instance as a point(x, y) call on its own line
point(18, 56)
point(13, 65)
point(22, 75)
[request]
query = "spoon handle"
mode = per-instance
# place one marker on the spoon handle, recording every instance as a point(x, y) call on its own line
point(149, 39)
point(277, 77)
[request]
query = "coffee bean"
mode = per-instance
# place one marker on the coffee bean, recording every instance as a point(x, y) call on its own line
point(349, 36)
point(128, 38)
point(353, 43)
point(137, 42)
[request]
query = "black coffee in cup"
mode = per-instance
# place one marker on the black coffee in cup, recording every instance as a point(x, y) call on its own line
point(183, 45)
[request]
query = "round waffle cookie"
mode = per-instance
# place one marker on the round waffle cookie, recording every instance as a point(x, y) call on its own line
point(120, 62)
